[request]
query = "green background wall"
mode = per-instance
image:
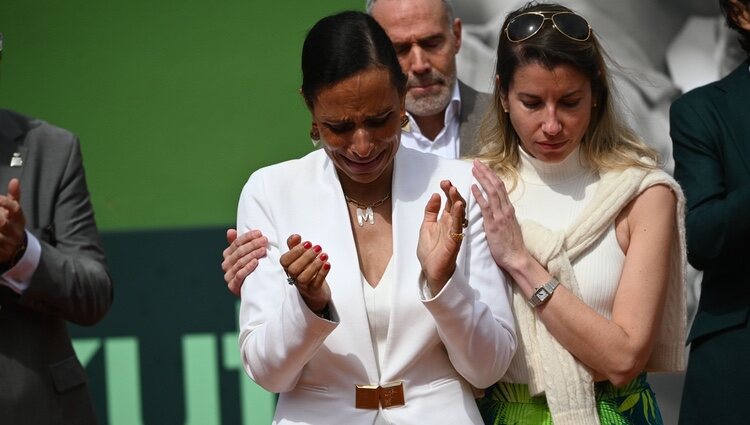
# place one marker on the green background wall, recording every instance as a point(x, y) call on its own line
point(176, 103)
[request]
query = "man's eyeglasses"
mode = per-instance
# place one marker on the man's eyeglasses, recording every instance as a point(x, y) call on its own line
point(526, 25)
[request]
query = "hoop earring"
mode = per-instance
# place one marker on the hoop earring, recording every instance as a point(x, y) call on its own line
point(315, 136)
point(404, 122)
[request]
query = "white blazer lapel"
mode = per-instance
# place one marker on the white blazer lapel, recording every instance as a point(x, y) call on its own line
point(407, 329)
point(345, 275)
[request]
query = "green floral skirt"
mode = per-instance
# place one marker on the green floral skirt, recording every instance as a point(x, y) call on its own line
point(510, 404)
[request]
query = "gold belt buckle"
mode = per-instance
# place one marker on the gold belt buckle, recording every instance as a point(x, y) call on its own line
point(375, 396)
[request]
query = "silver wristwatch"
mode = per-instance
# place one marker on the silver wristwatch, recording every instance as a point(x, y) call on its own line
point(543, 293)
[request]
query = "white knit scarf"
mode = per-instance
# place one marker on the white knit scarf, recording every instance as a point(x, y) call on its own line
point(566, 382)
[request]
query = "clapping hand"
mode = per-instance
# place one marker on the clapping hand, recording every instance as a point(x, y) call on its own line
point(440, 236)
point(306, 267)
point(12, 222)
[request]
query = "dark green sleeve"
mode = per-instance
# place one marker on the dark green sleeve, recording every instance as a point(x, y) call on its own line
point(718, 210)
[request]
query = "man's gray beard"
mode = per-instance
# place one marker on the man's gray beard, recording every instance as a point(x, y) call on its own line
point(432, 104)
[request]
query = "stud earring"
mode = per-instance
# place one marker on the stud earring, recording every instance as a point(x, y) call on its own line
point(315, 136)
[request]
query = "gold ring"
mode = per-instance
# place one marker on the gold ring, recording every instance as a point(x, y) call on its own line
point(458, 237)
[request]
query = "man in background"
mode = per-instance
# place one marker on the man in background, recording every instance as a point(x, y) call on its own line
point(444, 113)
point(710, 129)
point(52, 270)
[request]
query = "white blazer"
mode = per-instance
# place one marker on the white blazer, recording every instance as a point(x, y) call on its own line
point(435, 346)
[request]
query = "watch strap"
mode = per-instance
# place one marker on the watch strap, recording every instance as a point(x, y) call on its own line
point(543, 293)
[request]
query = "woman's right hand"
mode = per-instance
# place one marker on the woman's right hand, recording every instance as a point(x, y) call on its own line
point(308, 266)
point(440, 236)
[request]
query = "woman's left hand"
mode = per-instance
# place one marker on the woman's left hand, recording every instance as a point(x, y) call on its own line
point(500, 223)
point(440, 236)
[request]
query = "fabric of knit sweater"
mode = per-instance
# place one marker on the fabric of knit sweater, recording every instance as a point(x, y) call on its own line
point(567, 213)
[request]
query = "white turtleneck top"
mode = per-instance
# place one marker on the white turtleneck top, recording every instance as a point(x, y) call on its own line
point(553, 195)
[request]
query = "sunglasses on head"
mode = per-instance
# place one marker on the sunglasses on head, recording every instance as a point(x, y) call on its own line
point(526, 25)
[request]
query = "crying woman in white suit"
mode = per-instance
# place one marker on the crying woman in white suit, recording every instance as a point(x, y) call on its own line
point(377, 301)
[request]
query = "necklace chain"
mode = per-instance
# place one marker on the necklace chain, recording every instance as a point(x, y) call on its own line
point(359, 204)
point(364, 211)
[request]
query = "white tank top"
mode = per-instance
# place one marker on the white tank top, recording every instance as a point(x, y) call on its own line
point(554, 195)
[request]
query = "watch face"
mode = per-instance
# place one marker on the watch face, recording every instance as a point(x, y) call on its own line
point(542, 294)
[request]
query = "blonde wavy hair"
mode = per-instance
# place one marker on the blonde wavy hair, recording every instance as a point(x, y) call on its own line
point(608, 142)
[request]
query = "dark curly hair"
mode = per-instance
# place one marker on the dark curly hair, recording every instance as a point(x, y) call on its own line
point(730, 8)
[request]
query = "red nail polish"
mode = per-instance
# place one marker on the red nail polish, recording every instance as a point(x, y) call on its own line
point(323, 257)
point(317, 248)
point(327, 266)
point(306, 245)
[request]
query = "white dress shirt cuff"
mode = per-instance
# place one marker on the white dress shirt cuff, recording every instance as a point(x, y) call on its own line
point(18, 278)
point(425, 293)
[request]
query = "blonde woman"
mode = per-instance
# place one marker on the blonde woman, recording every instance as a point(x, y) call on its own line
point(589, 229)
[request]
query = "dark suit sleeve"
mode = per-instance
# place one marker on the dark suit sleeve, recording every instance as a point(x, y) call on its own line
point(71, 280)
point(718, 218)
point(474, 105)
